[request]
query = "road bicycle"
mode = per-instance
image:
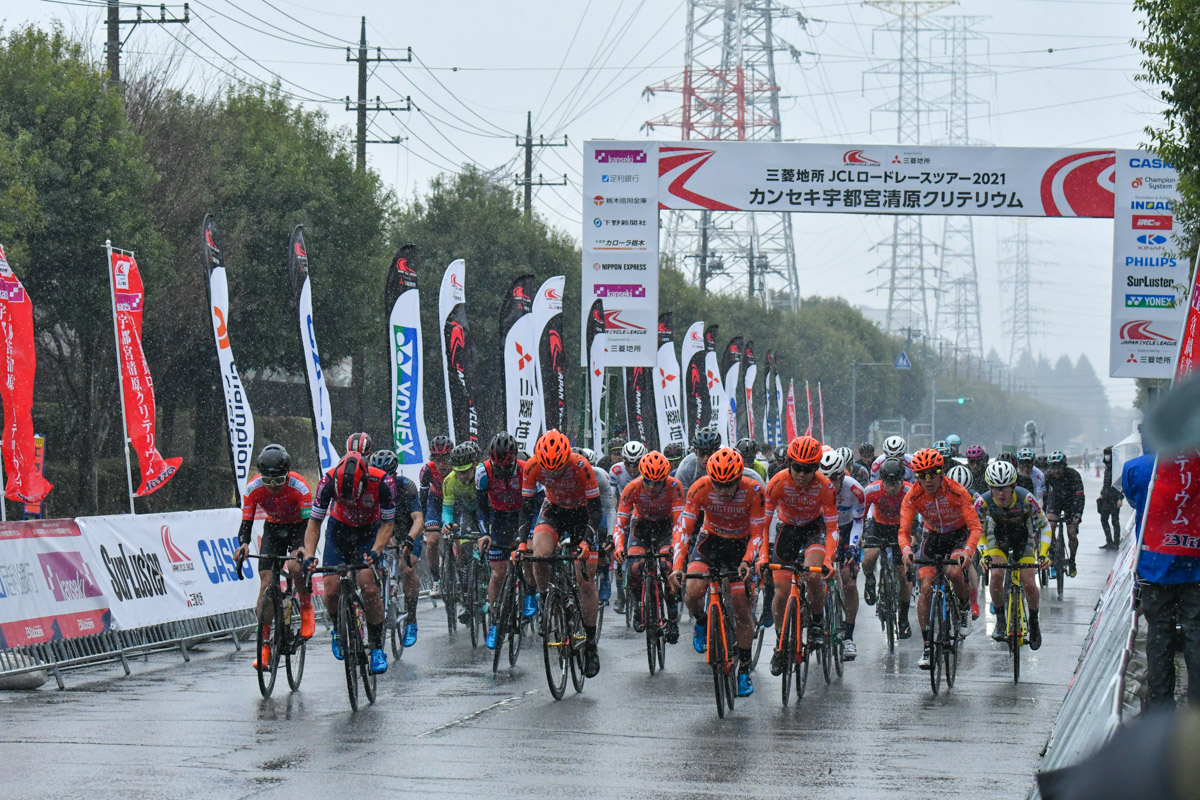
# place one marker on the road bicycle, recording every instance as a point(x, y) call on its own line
point(395, 608)
point(278, 626)
point(887, 604)
point(351, 628)
point(1058, 555)
point(943, 624)
point(721, 641)
point(833, 641)
point(510, 627)
point(797, 631)
point(1016, 610)
point(454, 587)
point(652, 567)
point(563, 634)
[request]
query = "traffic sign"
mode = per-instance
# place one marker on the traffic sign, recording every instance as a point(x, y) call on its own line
point(902, 361)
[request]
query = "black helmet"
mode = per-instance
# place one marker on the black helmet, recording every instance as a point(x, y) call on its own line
point(503, 450)
point(673, 451)
point(891, 471)
point(747, 448)
point(441, 446)
point(866, 450)
point(464, 455)
point(359, 442)
point(385, 460)
point(707, 440)
point(615, 444)
point(780, 453)
point(274, 461)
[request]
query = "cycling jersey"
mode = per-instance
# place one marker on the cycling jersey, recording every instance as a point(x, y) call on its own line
point(739, 518)
point(621, 476)
point(1064, 493)
point(573, 487)
point(494, 495)
point(636, 502)
point(1008, 527)
point(884, 507)
point(407, 496)
point(430, 481)
point(947, 511)
point(689, 471)
point(1038, 478)
point(608, 509)
point(458, 498)
point(794, 507)
point(759, 467)
point(860, 473)
point(979, 483)
point(909, 475)
point(289, 504)
point(852, 507)
point(377, 501)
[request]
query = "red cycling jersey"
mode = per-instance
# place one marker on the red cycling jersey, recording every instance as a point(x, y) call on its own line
point(289, 504)
point(799, 507)
point(636, 501)
point(571, 488)
point(377, 501)
point(887, 506)
point(950, 509)
point(737, 517)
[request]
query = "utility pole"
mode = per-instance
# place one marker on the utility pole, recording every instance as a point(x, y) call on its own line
point(113, 44)
point(528, 182)
point(361, 107)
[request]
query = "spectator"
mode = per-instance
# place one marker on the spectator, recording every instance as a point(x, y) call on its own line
point(1109, 505)
point(1168, 596)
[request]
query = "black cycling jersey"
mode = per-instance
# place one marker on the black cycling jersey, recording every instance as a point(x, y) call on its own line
point(1064, 492)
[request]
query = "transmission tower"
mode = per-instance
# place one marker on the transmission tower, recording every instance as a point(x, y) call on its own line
point(1023, 319)
point(730, 93)
point(958, 318)
point(908, 283)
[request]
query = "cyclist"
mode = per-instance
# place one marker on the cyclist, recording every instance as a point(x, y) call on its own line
point(612, 454)
point(951, 529)
point(608, 515)
point(894, 447)
point(355, 497)
point(954, 442)
point(778, 461)
point(851, 506)
point(498, 506)
point(961, 474)
point(674, 455)
point(882, 499)
point(624, 471)
point(806, 504)
point(360, 443)
point(407, 499)
point(286, 500)
point(1065, 501)
point(1013, 523)
point(853, 468)
point(649, 510)
point(943, 449)
point(458, 505)
point(733, 536)
point(866, 455)
point(977, 461)
point(1023, 480)
point(430, 480)
point(693, 467)
point(571, 509)
point(1025, 466)
point(748, 449)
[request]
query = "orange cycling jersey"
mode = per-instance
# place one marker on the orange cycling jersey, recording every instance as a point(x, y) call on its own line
point(572, 488)
point(950, 509)
point(887, 506)
point(637, 502)
point(738, 517)
point(292, 503)
point(799, 507)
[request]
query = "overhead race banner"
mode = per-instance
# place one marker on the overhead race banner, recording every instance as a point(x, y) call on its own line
point(697, 402)
point(458, 355)
point(25, 481)
point(620, 247)
point(550, 363)
point(666, 386)
point(641, 421)
point(751, 371)
point(238, 417)
point(322, 412)
point(1150, 276)
point(402, 304)
point(716, 389)
point(136, 385)
point(597, 351)
point(731, 363)
point(523, 404)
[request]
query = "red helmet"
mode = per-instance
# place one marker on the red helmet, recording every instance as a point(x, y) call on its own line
point(350, 477)
point(654, 466)
point(927, 459)
point(552, 450)
point(360, 443)
point(725, 465)
point(804, 450)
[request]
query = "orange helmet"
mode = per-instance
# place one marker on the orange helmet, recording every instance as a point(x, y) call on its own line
point(654, 466)
point(725, 465)
point(804, 450)
point(927, 459)
point(552, 450)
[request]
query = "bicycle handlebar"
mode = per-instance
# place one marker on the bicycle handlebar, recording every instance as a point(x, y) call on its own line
point(260, 557)
point(794, 568)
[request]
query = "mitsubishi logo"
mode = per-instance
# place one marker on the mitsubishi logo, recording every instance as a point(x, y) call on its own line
point(523, 358)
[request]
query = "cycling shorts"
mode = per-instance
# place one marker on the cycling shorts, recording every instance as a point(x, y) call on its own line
point(795, 542)
point(571, 522)
point(1017, 542)
point(941, 545)
point(433, 512)
point(879, 535)
point(505, 525)
point(720, 553)
point(347, 544)
point(281, 538)
point(650, 533)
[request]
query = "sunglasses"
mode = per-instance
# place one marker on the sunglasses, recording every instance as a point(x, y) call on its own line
point(726, 486)
point(653, 484)
point(929, 473)
point(803, 469)
point(279, 481)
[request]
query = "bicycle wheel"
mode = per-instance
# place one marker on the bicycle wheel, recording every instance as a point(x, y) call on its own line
point(787, 646)
point(827, 631)
point(730, 659)
point(760, 632)
point(471, 600)
point(556, 642)
point(296, 647)
point(716, 658)
point(364, 651)
point(650, 618)
point(623, 587)
point(1016, 625)
point(516, 623)
point(1060, 563)
point(270, 636)
point(394, 620)
point(887, 602)
point(449, 583)
point(803, 629)
point(502, 618)
point(950, 645)
point(578, 638)
point(348, 637)
point(839, 624)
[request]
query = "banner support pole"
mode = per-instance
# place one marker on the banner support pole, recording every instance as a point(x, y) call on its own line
point(112, 286)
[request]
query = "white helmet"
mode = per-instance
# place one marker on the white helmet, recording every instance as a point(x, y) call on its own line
point(832, 464)
point(588, 454)
point(847, 455)
point(1000, 473)
point(894, 446)
point(960, 474)
point(633, 452)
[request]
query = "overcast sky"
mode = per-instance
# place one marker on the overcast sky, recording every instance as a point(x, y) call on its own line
point(1062, 76)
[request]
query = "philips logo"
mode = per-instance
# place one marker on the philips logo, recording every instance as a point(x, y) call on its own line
point(1149, 261)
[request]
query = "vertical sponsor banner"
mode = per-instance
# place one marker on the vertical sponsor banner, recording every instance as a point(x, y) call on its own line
point(808, 399)
point(751, 369)
point(137, 387)
point(697, 402)
point(523, 404)
point(551, 366)
point(821, 410)
point(666, 386)
point(402, 305)
point(716, 389)
point(597, 362)
point(620, 248)
point(458, 355)
point(779, 413)
point(322, 412)
point(641, 421)
point(25, 481)
point(1150, 276)
point(790, 414)
point(238, 417)
point(769, 406)
point(731, 361)
point(34, 510)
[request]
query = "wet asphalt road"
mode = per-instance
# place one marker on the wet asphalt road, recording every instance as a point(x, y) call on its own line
point(443, 726)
